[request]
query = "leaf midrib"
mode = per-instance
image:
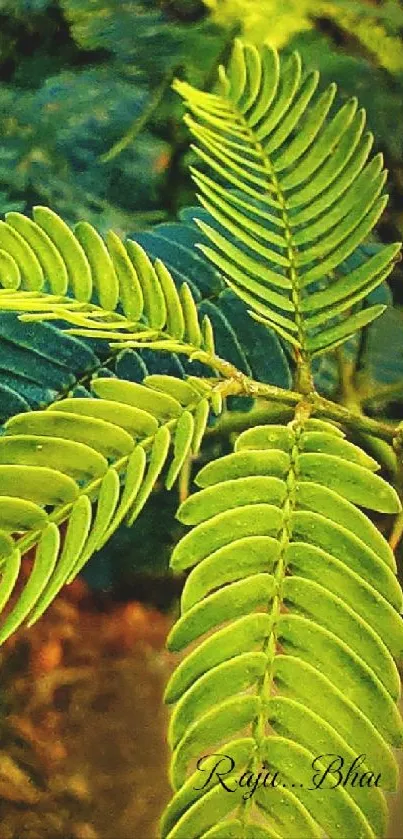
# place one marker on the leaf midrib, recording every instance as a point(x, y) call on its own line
point(290, 247)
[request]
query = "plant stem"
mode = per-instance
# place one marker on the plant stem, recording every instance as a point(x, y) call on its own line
point(233, 382)
point(141, 121)
point(262, 413)
point(320, 405)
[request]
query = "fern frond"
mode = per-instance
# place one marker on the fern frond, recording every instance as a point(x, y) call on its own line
point(246, 344)
point(297, 591)
point(110, 293)
point(250, 347)
point(294, 195)
point(108, 452)
point(105, 291)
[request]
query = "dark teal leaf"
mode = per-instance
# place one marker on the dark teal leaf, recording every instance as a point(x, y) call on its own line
point(261, 346)
point(11, 403)
point(129, 365)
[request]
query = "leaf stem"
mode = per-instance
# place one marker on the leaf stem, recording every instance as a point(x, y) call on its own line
point(235, 383)
point(320, 406)
point(141, 121)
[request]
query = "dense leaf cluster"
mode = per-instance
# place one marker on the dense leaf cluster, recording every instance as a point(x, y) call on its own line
point(132, 349)
point(90, 127)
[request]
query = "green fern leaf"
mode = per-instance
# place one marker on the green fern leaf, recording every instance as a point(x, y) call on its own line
point(311, 674)
point(91, 463)
point(294, 195)
point(99, 281)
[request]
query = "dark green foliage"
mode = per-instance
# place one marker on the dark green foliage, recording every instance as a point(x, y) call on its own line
point(52, 145)
point(20, 8)
point(39, 363)
point(79, 76)
point(116, 566)
point(134, 31)
point(87, 74)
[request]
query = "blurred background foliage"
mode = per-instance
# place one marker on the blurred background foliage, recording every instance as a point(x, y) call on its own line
point(89, 123)
point(90, 126)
